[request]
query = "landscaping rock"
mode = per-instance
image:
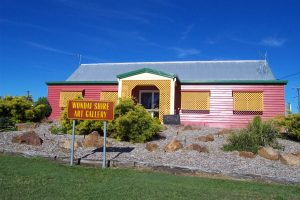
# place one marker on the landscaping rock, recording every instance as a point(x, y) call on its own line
point(246, 154)
point(224, 132)
point(93, 140)
point(187, 128)
point(197, 147)
point(26, 126)
point(206, 138)
point(268, 153)
point(296, 153)
point(29, 138)
point(174, 145)
point(151, 147)
point(67, 144)
point(290, 159)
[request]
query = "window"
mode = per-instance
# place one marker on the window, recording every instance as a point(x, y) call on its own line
point(248, 102)
point(109, 96)
point(66, 96)
point(150, 100)
point(195, 101)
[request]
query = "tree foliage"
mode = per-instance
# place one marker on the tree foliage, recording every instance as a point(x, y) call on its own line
point(20, 109)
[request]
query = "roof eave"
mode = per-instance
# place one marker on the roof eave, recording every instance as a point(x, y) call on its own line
point(236, 82)
point(146, 70)
point(83, 83)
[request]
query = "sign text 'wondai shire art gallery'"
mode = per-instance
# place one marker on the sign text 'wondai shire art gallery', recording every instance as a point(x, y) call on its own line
point(91, 110)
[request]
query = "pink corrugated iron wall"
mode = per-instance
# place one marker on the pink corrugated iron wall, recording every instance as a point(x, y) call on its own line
point(221, 105)
point(91, 92)
point(221, 102)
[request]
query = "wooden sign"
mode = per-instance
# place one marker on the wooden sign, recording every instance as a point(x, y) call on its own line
point(91, 110)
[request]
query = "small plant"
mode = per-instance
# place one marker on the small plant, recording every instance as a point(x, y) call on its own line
point(256, 135)
point(291, 124)
point(56, 130)
point(241, 141)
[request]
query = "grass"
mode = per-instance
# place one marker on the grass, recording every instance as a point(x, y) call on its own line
point(36, 178)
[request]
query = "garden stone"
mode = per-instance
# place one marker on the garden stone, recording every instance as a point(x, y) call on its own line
point(224, 132)
point(26, 126)
point(151, 147)
point(206, 138)
point(197, 147)
point(268, 153)
point(246, 154)
point(187, 128)
point(93, 140)
point(296, 153)
point(290, 159)
point(174, 145)
point(67, 144)
point(29, 138)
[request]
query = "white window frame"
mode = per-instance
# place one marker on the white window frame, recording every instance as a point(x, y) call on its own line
point(152, 110)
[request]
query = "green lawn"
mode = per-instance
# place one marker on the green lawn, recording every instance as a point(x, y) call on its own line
point(23, 178)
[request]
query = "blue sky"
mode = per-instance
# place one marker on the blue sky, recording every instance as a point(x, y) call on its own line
point(40, 40)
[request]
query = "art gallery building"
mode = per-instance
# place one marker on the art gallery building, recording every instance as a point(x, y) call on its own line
point(223, 94)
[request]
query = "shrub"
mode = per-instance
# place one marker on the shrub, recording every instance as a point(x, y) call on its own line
point(136, 125)
point(242, 141)
point(132, 123)
point(6, 124)
point(56, 130)
point(292, 125)
point(257, 134)
point(14, 108)
point(21, 109)
point(47, 108)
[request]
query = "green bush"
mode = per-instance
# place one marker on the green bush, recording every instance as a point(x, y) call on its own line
point(56, 130)
point(14, 108)
point(21, 109)
point(47, 108)
point(256, 135)
point(6, 124)
point(132, 123)
point(241, 141)
point(292, 125)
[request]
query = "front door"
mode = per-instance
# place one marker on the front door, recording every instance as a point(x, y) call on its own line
point(150, 100)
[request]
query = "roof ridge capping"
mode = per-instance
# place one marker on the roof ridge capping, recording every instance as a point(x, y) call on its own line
point(163, 62)
point(146, 70)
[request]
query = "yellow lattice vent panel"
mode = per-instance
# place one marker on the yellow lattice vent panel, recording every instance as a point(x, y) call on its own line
point(195, 100)
point(109, 96)
point(164, 87)
point(66, 96)
point(248, 101)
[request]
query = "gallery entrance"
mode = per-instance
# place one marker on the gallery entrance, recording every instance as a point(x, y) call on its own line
point(148, 97)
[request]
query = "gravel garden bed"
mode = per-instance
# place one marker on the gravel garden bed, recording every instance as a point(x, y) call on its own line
point(216, 161)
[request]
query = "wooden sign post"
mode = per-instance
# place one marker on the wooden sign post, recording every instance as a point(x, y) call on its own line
point(90, 110)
